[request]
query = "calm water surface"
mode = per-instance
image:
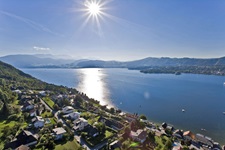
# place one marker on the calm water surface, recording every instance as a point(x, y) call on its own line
point(160, 96)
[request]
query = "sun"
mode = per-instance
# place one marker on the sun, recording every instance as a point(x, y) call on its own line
point(93, 8)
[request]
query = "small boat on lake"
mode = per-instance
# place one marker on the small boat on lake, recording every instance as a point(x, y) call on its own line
point(224, 112)
point(203, 129)
point(183, 110)
point(177, 73)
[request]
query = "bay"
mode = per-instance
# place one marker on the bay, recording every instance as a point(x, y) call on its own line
point(161, 97)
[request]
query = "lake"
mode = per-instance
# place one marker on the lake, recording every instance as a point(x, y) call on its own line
point(161, 97)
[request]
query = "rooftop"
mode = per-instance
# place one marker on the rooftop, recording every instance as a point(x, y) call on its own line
point(59, 130)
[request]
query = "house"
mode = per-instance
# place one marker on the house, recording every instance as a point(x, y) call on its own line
point(67, 109)
point(178, 134)
point(139, 135)
point(114, 145)
point(71, 101)
point(73, 115)
point(111, 123)
point(131, 117)
point(23, 138)
point(58, 133)
point(178, 147)
point(204, 140)
point(170, 128)
point(164, 125)
point(40, 109)
point(80, 124)
point(39, 122)
point(17, 91)
point(26, 97)
point(196, 146)
point(92, 131)
point(188, 135)
point(27, 106)
point(33, 113)
point(43, 93)
point(23, 147)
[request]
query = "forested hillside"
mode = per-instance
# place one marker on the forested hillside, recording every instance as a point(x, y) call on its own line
point(12, 79)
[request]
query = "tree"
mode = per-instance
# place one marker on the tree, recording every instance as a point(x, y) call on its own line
point(143, 117)
point(151, 136)
point(59, 124)
point(127, 131)
point(101, 127)
point(112, 110)
point(78, 98)
point(168, 144)
point(5, 109)
point(56, 107)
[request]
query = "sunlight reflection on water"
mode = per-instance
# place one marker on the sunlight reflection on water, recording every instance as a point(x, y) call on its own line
point(92, 82)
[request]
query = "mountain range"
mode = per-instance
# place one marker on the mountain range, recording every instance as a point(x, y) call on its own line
point(51, 61)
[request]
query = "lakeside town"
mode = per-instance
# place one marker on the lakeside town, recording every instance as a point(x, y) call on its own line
point(52, 119)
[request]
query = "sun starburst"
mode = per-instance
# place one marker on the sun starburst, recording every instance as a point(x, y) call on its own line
point(93, 8)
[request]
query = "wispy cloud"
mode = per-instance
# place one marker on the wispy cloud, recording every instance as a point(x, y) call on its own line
point(41, 48)
point(29, 22)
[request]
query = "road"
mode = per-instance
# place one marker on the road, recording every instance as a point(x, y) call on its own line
point(81, 141)
point(46, 106)
point(84, 144)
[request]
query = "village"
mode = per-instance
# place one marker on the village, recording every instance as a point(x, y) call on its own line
point(54, 118)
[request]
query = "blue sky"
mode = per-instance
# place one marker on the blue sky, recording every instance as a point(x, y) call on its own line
point(129, 29)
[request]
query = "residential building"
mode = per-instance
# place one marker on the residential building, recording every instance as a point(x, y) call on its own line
point(23, 138)
point(178, 134)
point(67, 109)
point(80, 124)
point(58, 133)
point(111, 123)
point(204, 140)
point(188, 135)
point(114, 145)
point(139, 135)
point(33, 113)
point(28, 106)
point(39, 122)
point(73, 115)
point(23, 147)
point(131, 117)
point(92, 131)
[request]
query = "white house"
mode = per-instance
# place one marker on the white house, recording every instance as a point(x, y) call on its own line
point(67, 109)
point(42, 93)
point(39, 122)
point(58, 133)
point(17, 91)
point(73, 115)
point(139, 135)
point(80, 124)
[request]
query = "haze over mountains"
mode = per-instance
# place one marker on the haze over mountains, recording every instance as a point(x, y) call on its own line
point(51, 61)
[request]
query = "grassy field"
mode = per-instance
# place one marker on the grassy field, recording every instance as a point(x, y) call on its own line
point(2, 125)
point(47, 114)
point(53, 121)
point(108, 134)
point(5, 123)
point(70, 145)
point(161, 141)
point(96, 140)
point(48, 101)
